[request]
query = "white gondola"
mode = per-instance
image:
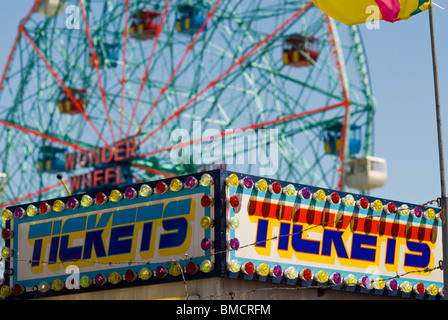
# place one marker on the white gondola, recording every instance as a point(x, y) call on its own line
point(366, 173)
point(50, 7)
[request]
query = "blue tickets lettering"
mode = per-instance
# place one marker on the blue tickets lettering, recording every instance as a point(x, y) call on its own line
point(94, 239)
point(117, 245)
point(303, 245)
point(121, 227)
point(359, 252)
point(420, 260)
point(333, 237)
point(173, 239)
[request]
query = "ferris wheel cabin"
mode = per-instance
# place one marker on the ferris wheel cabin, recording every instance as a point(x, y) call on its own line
point(67, 106)
point(300, 51)
point(144, 24)
point(51, 159)
point(189, 19)
point(366, 173)
point(333, 141)
point(106, 55)
point(50, 7)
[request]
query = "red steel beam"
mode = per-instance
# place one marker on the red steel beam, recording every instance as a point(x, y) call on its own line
point(61, 83)
point(189, 48)
point(14, 46)
point(148, 65)
point(123, 76)
point(252, 126)
point(97, 71)
point(225, 73)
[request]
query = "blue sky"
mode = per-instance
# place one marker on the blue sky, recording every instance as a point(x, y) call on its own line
point(399, 57)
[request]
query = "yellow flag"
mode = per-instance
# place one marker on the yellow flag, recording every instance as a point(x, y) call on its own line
point(352, 12)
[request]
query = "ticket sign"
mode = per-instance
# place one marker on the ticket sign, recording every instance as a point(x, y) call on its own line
point(141, 234)
point(302, 235)
point(222, 224)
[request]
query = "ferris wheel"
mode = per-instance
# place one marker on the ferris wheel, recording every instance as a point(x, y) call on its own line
point(132, 85)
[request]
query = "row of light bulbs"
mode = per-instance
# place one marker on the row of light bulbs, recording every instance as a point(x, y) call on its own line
point(321, 196)
point(114, 278)
point(322, 278)
point(206, 180)
point(101, 198)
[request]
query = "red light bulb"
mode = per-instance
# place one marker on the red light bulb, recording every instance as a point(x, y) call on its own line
point(419, 288)
point(364, 203)
point(6, 234)
point(17, 290)
point(391, 207)
point(335, 198)
point(206, 201)
point(100, 198)
point(234, 202)
point(191, 268)
point(130, 275)
point(44, 208)
point(248, 268)
point(161, 187)
point(275, 187)
point(307, 274)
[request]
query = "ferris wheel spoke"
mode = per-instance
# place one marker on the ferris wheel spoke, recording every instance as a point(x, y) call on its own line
point(173, 74)
point(337, 55)
point(252, 127)
point(30, 195)
point(225, 73)
point(61, 83)
point(14, 46)
point(123, 76)
point(95, 63)
point(41, 135)
point(148, 65)
point(153, 171)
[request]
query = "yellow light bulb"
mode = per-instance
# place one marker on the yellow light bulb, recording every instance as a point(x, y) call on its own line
point(115, 195)
point(145, 190)
point(378, 205)
point(175, 185)
point(206, 222)
point(320, 195)
point(145, 274)
point(234, 266)
point(175, 270)
point(6, 215)
point(233, 180)
point(379, 283)
point(58, 206)
point(114, 277)
point(206, 266)
point(57, 285)
point(263, 269)
point(433, 290)
point(206, 180)
point(430, 214)
point(5, 291)
point(322, 276)
point(31, 210)
point(262, 185)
